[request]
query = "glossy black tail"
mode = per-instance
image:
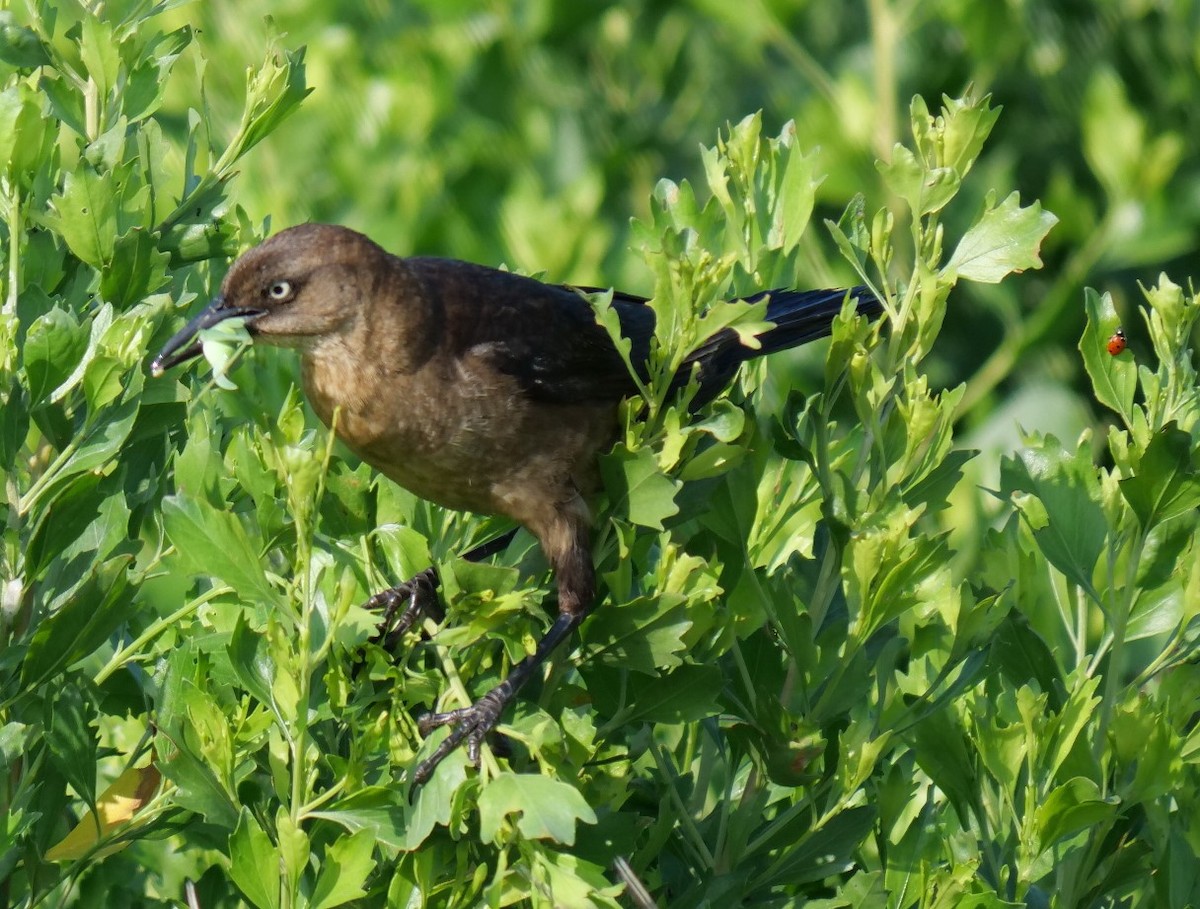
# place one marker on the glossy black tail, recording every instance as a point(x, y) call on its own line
point(803, 316)
point(800, 316)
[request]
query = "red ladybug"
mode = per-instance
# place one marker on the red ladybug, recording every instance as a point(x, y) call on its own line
point(1118, 342)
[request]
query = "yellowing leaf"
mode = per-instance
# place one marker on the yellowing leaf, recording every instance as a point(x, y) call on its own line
point(116, 805)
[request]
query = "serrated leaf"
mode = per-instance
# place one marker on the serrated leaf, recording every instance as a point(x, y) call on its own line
point(432, 803)
point(1166, 484)
point(683, 695)
point(254, 863)
point(645, 635)
point(1004, 240)
point(374, 810)
point(1114, 379)
point(251, 663)
point(69, 732)
point(344, 870)
point(1074, 531)
point(86, 215)
point(797, 195)
point(198, 789)
point(83, 622)
point(20, 46)
point(639, 489)
point(545, 808)
point(1076, 805)
point(213, 542)
point(54, 344)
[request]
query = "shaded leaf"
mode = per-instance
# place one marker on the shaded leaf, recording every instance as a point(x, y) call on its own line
point(344, 870)
point(213, 542)
point(1166, 484)
point(545, 808)
point(254, 863)
point(639, 489)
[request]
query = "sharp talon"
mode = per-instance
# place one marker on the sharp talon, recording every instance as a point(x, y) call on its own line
point(472, 724)
point(401, 606)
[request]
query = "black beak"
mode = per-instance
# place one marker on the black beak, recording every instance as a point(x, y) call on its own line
point(184, 346)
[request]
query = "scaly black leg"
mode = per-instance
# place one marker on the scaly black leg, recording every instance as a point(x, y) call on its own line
point(475, 722)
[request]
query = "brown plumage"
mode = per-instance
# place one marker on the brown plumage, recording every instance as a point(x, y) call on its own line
point(474, 388)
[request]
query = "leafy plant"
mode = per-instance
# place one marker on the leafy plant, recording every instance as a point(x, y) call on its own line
point(103, 216)
point(828, 668)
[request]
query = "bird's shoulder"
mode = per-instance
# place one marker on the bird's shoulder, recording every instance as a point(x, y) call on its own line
point(544, 335)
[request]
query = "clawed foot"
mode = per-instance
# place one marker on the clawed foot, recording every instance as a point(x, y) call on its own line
point(401, 606)
point(470, 723)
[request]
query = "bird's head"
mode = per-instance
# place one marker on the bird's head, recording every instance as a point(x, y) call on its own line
point(294, 290)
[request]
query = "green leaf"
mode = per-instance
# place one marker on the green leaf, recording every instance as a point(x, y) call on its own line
point(138, 269)
point(1069, 526)
point(374, 810)
point(273, 93)
point(254, 863)
point(644, 635)
point(97, 445)
point(1004, 240)
point(344, 870)
point(214, 543)
point(1075, 805)
point(926, 190)
point(797, 194)
point(824, 850)
point(639, 490)
point(955, 138)
point(99, 52)
point(89, 615)
point(1114, 379)
point(1024, 656)
point(198, 789)
point(25, 130)
point(683, 695)
point(545, 808)
point(1166, 484)
point(294, 848)
point(70, 734)
point(86, 215)
point(53, 346)
point(221, 345)
point(20, 46)
point(251, 662)
point(940, 745)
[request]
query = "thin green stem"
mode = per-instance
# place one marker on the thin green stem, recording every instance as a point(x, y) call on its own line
point(687, 824)
point(130, 650)
point(14, 251)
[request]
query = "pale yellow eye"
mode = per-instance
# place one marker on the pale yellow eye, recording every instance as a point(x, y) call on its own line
point(280, 290)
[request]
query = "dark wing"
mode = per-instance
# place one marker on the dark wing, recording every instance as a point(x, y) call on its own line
point(545, 336)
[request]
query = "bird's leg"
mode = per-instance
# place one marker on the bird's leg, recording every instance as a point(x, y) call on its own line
point(475, 722)
point(576, 577)
point(402, 605)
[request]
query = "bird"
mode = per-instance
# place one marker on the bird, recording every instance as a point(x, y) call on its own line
point(479, 390)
